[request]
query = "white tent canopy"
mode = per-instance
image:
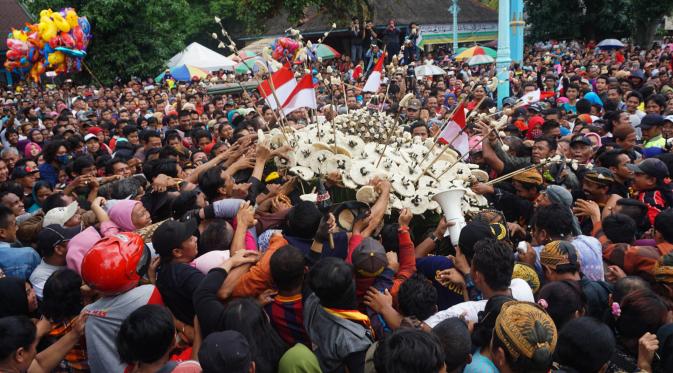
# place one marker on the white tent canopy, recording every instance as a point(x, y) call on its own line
point(197, 55)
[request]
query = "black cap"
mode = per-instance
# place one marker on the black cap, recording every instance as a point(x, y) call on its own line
point(170, 234)
point(54, 234)
point(226, 351)
point(652, 167)
point(23, 171)
point(473, 232)
point(651, 120)
point(581, 139)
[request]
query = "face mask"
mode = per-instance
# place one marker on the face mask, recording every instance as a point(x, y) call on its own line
point(63, 159)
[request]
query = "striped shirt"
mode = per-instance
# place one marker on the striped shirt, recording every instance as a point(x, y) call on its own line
point(286, 314)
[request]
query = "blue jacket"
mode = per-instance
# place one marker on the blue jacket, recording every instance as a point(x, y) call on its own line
point(18, 261)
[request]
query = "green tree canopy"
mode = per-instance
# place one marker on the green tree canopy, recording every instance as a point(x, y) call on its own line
point(136, 37)
point(596, 19)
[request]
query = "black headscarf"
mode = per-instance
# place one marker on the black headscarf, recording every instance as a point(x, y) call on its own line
point(13, 299)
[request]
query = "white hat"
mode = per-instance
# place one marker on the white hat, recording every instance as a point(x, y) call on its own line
point(60, 215)
point(90, 136)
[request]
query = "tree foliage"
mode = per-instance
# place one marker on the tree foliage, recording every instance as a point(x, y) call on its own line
point(596, 19)
point(136, 37)
point(130, 37)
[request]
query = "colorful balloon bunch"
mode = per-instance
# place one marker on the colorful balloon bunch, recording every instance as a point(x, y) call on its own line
point(58, 43)
point(283, 49)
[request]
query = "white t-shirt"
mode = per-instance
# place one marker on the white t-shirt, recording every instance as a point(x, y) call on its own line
point(40, 275)
point(520, 289)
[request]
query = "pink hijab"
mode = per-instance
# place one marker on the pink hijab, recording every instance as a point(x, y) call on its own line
point(120, 214)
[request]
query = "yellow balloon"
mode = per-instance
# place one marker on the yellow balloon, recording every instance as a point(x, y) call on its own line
point(71, 17)
point(56, 58)
point(19, 35)
point(49, 31)
point(45, 13)
point(60, 22)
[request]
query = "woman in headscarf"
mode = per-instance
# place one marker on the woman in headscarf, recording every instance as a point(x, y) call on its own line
point(41, 190)
point(128, 215)
point(16, 297)
point(299, 359)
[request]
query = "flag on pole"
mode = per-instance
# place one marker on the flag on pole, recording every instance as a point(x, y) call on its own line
point(536, 96)
point(303, 95)
point(453, 133)
point(283, 83)
point(374, 81)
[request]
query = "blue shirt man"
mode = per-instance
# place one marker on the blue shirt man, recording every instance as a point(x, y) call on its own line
point(14, 261)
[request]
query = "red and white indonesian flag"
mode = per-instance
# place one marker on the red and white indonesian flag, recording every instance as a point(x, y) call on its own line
point(453, 133)
point(374, 81)
point(283, 83)
point(303, 95)
point(535, 96)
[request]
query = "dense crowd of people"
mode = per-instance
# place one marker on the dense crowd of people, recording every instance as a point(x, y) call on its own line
point(144, 228)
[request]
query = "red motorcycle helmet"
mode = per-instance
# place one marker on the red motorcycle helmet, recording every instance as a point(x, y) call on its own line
point(116, 264)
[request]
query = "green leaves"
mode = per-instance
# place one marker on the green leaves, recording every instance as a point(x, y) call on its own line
point(595, 19)
point(137, 37)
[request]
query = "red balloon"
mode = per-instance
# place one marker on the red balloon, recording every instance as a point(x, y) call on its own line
point(67, 40)
point(78, 35)
point(14, 54)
